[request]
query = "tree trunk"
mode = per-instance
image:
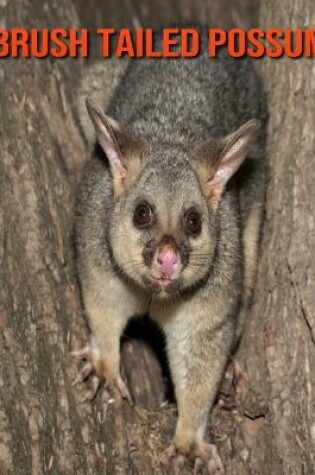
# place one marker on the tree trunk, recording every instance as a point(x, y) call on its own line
point(45, 424)
point(279, 344)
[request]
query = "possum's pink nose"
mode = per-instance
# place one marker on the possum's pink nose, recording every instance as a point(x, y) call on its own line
point(167, 261)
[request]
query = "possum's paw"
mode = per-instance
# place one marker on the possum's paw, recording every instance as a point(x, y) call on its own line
point(202, 456)
point(103, 382)
point(208, 455)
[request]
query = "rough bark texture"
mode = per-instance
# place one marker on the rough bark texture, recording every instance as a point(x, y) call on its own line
point(279, 346)
point(45, 427)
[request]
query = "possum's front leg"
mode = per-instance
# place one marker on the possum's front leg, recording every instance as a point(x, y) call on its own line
point(198, 346)
point(109, 304)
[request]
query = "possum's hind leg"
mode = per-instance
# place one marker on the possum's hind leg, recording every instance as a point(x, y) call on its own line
point(251, 238)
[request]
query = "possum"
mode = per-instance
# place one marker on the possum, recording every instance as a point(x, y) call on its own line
point(168, 222)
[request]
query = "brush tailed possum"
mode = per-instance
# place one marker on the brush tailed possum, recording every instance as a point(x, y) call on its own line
point(171, 215)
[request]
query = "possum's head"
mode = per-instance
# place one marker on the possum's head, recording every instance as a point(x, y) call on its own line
point(163, 229)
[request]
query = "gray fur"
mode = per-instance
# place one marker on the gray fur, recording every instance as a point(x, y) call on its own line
point(176, 106)
point(99, 81)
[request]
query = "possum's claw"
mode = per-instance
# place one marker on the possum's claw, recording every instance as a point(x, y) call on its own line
point(85, 372)
point(124, 391)
point(204, 456)
point(100, 383)
point(198, 466)
point(168, 455)
point(209, 456)
point(83, 354)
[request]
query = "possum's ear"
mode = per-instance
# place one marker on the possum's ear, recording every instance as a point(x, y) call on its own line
point(220, 160)
point(122, 150)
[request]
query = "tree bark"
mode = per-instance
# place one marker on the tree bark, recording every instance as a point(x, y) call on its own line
point(45, 424)
point(279, 345)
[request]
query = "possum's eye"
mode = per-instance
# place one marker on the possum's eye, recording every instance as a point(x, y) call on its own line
point(192, 222)
point(143, 216)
